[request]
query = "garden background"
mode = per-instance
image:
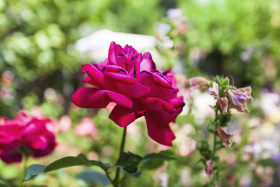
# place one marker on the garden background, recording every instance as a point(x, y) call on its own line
point(40, 60)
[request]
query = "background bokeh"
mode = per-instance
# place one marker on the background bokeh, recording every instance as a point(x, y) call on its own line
point(40, 67)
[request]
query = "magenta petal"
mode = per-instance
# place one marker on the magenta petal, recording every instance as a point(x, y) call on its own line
point(156, 89)
point(161, 80)
point(122, 116)
point(153, 103)
point(96, 75)
point(121, 78)
point(177, 102)
point(129, 86)
point(86, 97)
point(81, 98)
point(170, 76)
point(159, 132)
point(115, 69)
point(11, 154)
point(160, 114)
point(114, 51)
point(104, 97)
point(147, 63)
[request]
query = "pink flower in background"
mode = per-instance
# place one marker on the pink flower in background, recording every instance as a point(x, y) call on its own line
point(25, 133)
point(131, 80)
point(64, 123)
point(86, 127)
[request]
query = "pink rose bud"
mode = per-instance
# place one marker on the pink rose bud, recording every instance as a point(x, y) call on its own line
point(131, 80)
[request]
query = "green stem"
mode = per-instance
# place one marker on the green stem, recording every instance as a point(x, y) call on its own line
point(215, 134)
point(24, 167)
point(214, 145)
point(116, 179)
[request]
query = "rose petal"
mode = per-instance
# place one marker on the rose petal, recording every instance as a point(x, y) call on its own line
point(147, 63)
point(156, 89)
point(122, 116)
point(104, 97)
point(114, 69)
point(153, 103)
point(96, 75)
point(126, 85)
point(170, 77)
point(120, 78)
point(11, 154)
point(114, 52)
point(159, 132)
point(94, 98)
point(158, 116)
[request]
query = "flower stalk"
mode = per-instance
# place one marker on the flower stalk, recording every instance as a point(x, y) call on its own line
point(116, 179)
point(24, 167)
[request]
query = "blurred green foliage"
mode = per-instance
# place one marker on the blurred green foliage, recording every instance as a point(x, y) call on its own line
point(37, 38)
point(240, 38)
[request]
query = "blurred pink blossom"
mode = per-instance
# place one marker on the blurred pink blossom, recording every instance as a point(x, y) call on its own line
point(65, 123)
point(86, 127)
point(25, 135)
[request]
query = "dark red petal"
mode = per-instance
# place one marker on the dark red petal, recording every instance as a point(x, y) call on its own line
point(11, 154)
point(122, 116)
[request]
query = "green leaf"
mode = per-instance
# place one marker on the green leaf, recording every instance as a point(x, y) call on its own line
point(163, 155)
point(225, 82)
point(33, 171)
point(65, 162)
point(129, 162)
point(155, 160)
point(70, 161)
point(90, 176)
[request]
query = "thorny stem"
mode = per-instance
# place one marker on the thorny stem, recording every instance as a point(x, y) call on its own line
point(116, 179)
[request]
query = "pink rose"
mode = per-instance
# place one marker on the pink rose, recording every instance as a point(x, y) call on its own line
point(25, 133)
point(131, 80)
